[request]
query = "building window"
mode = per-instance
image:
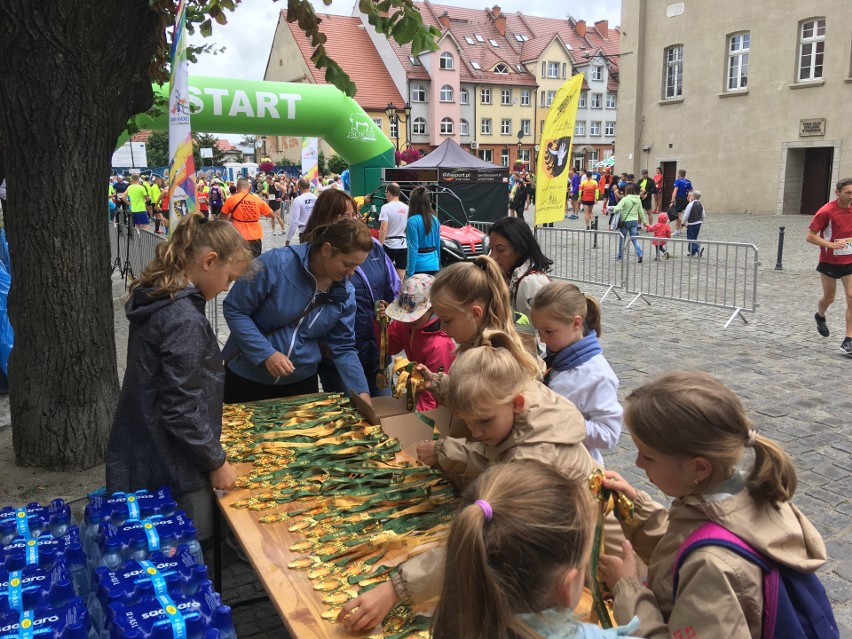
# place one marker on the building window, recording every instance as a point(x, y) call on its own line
point(738, 46)
point(552, 69)
point(447, 126)
point(506, 97)
point(526, 127)
point(525, 97)
point(595, 128)
point(593, 157)
point(493, 43)
point(379, 122)
point(506, 126)
point(464, 96)
point(524, 155)
point(579, 128)
point(418, 126)
point(582, 103)
point(414, 61)
point(540, 127)
point(610, 100)
point(446, 93)
point(469, 40)
point(464, 127)
point(550, 96)
point(502, 69)
point(485, 96)
point(478, 37)
point(564, 70)
point(485, 126)
point(597, 72)
point(504, 157)
point(609, 128)
point(597, 100)
point(673, 89)
point(418, 93)
point(446, 61)
point(811, 49)
point(394, 128)
point(485, 154)
point(476, 66)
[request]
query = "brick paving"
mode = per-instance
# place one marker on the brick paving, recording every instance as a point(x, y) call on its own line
point(785, 373)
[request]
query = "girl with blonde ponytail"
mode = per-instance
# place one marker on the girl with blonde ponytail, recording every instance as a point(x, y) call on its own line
point(691, 432)
point(516, 556)
point(169, 414)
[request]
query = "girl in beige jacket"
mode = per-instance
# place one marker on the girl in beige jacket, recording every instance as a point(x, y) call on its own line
point(691, 431)
point(511, 418)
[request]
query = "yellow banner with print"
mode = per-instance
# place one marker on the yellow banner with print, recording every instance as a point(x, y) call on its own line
point(554, 158)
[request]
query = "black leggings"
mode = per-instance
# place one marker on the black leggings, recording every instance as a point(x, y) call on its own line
point(239, 390)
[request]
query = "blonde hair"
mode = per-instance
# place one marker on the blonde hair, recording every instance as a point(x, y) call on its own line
point(564, 301)
point(487, 375)
point(693, 414)
point(481, 281)
point(541, 525)
point(166, 273)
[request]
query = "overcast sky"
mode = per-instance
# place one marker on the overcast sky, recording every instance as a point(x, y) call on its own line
point(247, 37)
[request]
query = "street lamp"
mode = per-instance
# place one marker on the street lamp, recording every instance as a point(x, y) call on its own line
point(395, 119)
point(520, 144)
point(263, 137)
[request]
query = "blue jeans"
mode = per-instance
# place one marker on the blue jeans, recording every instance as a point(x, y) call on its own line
point(692, 234)
point(631, 227)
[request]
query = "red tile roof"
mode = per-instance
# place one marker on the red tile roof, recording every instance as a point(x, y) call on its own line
point(350, 46)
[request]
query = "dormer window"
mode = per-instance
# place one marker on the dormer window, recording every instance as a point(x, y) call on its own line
point(446, 61)
point(502, 69)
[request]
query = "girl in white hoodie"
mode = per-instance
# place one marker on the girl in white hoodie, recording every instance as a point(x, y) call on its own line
point(568, 324)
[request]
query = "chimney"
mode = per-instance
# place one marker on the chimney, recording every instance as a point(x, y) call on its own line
point(444, 19)
point(500, 23)
point(495, 10)
point(603, 27)
point(580, 28)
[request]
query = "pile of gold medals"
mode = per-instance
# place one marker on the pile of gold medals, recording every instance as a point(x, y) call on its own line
point(341, 483)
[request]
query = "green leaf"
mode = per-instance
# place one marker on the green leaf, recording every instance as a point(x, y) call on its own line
point(206, 28)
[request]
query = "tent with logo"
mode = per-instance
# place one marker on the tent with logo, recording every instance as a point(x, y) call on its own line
point(454, 174)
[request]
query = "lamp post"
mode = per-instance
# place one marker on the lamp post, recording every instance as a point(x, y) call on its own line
point(520, 144)
point(395, 119)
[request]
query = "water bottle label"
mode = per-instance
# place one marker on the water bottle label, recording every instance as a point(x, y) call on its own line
point(22, 522)
point(151, 534)
point(31, 551)
point(132, 507)
point(26, 630)
point(153, 575)
point(16, 594)
point(175, 618)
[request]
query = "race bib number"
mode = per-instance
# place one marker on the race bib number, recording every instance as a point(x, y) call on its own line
point(846, 250)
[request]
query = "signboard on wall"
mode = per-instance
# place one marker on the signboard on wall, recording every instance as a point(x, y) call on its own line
point(814, 126)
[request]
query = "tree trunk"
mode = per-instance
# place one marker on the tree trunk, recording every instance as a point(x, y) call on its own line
point(73, 73)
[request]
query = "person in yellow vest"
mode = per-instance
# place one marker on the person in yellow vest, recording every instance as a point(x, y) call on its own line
point(135, 196)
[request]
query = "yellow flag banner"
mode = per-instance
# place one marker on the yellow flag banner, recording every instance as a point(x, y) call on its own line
point(554, 158)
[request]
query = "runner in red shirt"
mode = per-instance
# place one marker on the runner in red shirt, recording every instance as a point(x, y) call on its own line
point(658, 195)
point(835, 256)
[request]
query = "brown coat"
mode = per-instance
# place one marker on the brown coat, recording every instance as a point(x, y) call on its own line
point(719, 593)
point(549, 429)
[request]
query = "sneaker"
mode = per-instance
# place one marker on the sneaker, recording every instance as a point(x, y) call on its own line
point(701, 252)
point(846, 346)
point(822, 325)
point(656, 259)
point(669, 256)
point(639, 261)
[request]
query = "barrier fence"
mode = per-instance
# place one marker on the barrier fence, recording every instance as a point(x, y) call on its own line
point(724, 275)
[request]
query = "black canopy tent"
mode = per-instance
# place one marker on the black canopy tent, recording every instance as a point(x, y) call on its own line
point(478, 184)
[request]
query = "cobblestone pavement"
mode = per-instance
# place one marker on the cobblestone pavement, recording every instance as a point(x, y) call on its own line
point(787, 375)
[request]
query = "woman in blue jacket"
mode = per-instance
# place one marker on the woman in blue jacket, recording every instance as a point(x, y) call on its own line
point(423, 235)
point(298, 303)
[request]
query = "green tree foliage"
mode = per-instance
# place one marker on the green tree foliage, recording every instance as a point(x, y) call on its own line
point(157, 148)
point(206, 140)
point(337, 164)
point(321, 166)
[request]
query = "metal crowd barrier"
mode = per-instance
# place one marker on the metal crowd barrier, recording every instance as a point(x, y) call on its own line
point(583, 256)
point(482, 227)
point(723, 275)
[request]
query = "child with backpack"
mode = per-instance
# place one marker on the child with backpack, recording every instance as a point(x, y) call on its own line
point(661, 231)
point(569, 324)
point(714, 555)
point(516, 557)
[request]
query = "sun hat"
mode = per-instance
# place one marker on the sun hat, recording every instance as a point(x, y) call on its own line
point(413, 300)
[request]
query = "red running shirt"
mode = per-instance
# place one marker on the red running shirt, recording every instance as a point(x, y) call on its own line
point(834, 223)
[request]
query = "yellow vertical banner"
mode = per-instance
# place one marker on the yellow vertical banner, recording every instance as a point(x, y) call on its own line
point(554, 158)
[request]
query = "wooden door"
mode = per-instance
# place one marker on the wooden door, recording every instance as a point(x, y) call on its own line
point(669, 177)
point(816, 180)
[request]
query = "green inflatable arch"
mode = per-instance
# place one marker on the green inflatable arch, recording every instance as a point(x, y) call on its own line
point(288, 108)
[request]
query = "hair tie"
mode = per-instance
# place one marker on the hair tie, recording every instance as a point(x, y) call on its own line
point(752, 437)
point(203, 220)
point(486, 508)
point(480, 264)
point(487, 342)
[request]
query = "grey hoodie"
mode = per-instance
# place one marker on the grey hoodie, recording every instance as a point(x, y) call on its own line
point(169, 415)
